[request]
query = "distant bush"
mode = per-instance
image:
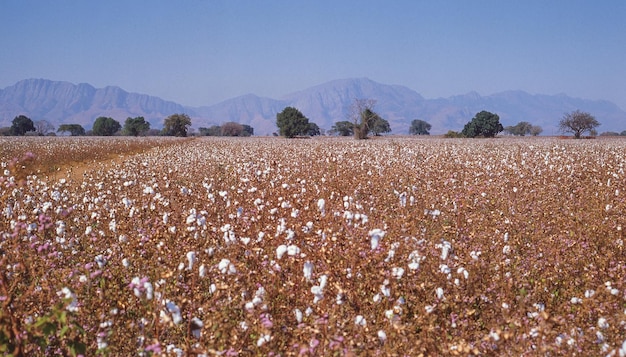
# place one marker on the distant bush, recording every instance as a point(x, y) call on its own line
point(453, 134)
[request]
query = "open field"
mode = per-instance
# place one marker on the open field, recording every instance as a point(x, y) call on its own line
point(269, 246)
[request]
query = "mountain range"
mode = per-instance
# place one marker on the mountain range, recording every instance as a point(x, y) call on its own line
point(67, 103)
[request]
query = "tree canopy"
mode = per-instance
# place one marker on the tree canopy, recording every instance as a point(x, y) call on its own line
point(577, 123)
point(176, 125)
point(43, 127)
point(520, 129)
point(73, 129)
point(419, 127)
point(484, 124)
point(22, 124)
point(379, 125)
point(291, 123)
point(364, 119)
point(313, 130)
point(135, 126)
point(343, 128)
point(104, 126)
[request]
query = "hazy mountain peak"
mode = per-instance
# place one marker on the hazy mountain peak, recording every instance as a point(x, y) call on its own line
point(63, 102)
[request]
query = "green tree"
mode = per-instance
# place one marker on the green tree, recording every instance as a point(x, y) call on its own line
point(343, 128)
point(379, 125)
point(291, 122)
point(453, 134)
point(73, 129)
point(577, 123)
point(21, 124)
point(104, 126)
point(419, 127)
point(247, 130)
point(135, 126)
point(536, 130)
point(232, 129)
point(484, 124)
point(313, 130)
point(520, 129)
point(176, 125)
point(213, 130)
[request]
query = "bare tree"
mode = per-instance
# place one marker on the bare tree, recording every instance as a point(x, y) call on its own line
point(578, 122)
point(43, 127)
point(358, 116)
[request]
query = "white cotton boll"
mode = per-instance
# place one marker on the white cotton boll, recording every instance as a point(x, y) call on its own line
point(223, 265)
point(376, 298)
point(323, 280)
point(202, 271)
point(439, 293)
point(125, 263)
point(576, 300)
point(397, 272)
point(506, 250)
point(429, 309)
point(308, 270)
point(376, 235)
point(100, 260)
point(622, 350)
point(148, 190)
point(318, 293)
point(112, 226)
point(175, 311)
point(321, 205)
point(602, 323)
point(339, 299)
point(196, 327)
point(60, 228)
point(382, 336)
point(191, 259)
point(280, 251)
point(589, 293)
point(463, 271)
point(293, 250)
point(262, 340)
point(359, 320)
point(444, 269)
point(385, 290)
point(149, 290)
point(475, 255)
point(298, 314)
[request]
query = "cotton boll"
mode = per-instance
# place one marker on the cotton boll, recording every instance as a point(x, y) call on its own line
point(280, 251)
point(308, 270)
point(191, 259)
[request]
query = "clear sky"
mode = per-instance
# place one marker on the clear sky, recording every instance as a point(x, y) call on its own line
point(200, 52)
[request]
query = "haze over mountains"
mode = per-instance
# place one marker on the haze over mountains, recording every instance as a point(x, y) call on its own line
point(67, 103)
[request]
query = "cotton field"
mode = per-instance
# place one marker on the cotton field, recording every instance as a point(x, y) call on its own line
point(328, 246)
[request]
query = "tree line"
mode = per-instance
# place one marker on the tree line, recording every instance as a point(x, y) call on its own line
point(173, 125)
point(361, 121)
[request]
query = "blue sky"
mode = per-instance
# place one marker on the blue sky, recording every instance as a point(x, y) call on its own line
point(200, 52)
